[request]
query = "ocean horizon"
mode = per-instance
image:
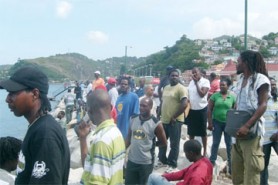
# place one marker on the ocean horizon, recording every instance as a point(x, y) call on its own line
point(10, 125)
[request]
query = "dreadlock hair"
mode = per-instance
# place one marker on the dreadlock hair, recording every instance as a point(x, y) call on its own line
point(174, 70)
point(45, 104)
point(273, 91)
point(9, 149)
point(254, 61)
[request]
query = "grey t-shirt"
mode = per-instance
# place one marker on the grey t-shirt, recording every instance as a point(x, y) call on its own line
point(142, 140)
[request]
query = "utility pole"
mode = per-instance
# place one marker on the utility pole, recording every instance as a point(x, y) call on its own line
point(245, 27)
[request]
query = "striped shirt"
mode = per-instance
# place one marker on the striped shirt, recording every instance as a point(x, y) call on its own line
point(6, 178)
point(270, 124)
point(104, 163)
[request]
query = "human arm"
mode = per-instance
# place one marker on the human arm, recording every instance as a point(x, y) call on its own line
point(210, 109)
point(47, 160)
point(202, 91)
point(180, 110)
point(262, 104)
point(274, 137)
point(175, 176)
point(128, 139)
point(83, 131)
point(161, 136)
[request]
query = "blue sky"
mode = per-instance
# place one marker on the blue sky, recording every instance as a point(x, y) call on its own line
point(101, 29)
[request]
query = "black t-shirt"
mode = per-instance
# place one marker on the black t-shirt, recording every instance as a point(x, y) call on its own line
point(78, 91)
point(46, 152)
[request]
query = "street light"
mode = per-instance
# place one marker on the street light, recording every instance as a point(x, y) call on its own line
point(126, 57)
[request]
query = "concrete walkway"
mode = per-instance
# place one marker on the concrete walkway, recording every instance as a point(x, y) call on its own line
point(219, 179)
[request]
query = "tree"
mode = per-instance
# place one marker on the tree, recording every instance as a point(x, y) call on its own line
point(264, 52)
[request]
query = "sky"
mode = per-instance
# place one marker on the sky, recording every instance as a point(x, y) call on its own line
point(101, 29)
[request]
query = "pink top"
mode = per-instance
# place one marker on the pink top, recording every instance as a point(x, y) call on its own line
point(214, 86)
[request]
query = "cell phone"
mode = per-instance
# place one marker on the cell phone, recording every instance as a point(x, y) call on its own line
point(86, 119)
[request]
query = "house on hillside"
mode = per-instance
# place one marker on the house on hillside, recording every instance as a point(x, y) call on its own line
point(230, 69)
point(273, 50)
point(272, 69)
point(276, 41)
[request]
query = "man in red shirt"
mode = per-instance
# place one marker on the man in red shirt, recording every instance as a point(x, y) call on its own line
point(199, 173)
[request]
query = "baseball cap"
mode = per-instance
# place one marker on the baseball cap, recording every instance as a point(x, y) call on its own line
point(112, 81)
point(97, 72)
point(25, 78)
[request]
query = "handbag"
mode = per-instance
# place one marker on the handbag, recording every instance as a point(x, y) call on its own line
point(237, 118)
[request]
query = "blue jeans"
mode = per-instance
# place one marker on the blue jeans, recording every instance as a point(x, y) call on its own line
point(267, 152)
point(218, 128)
point(172, 131)
point(157, 179)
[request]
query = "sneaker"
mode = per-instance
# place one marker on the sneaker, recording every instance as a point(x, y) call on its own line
point(171, 169)
point(159, 164)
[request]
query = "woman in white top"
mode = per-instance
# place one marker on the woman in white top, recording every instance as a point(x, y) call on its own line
point(197, 119)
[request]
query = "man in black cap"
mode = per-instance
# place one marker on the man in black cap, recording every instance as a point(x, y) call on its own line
point(45, 148)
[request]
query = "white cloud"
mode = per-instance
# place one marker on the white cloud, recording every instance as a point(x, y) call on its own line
point(210, 28)
point(63, 9)
point(98, 37)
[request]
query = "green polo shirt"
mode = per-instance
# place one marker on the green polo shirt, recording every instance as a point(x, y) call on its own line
point(221, 106)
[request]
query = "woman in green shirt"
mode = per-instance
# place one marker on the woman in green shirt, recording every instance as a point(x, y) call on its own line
point(219, 104)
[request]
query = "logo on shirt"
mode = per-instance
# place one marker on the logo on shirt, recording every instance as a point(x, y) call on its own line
point(39, 169)
point(120, 107)
point(139, 134)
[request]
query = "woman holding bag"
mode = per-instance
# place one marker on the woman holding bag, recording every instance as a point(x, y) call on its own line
point(219, 104)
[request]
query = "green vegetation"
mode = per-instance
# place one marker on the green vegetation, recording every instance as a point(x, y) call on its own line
point(184, 54)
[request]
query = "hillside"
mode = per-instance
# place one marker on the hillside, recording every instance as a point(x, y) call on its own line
point(183, 54)
point(71, 66)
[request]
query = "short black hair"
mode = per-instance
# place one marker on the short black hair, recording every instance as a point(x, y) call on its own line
point(192, 146)
point(227, 80)
point(62, 112)
point(125, 78)
point(212, 75)
point(9, 149)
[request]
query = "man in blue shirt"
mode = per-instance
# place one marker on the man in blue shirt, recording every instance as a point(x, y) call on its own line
point(127, 105)
point(140, 91)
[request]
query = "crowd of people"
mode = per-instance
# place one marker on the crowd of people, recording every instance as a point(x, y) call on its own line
point(130, 122)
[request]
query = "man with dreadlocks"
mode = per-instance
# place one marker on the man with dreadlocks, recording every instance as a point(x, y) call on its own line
point(45, 147)
point(9, 151)
point(252, 91)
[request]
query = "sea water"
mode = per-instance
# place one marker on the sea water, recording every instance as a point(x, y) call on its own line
point(10, 125)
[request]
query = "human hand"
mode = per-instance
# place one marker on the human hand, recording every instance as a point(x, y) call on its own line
point(83, 129)
point(242, 132)
point(274, 137)
point(210, 126)
point(173, 121)
point(194, 77)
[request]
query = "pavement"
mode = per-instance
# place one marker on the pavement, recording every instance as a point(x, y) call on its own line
point(218, 178)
